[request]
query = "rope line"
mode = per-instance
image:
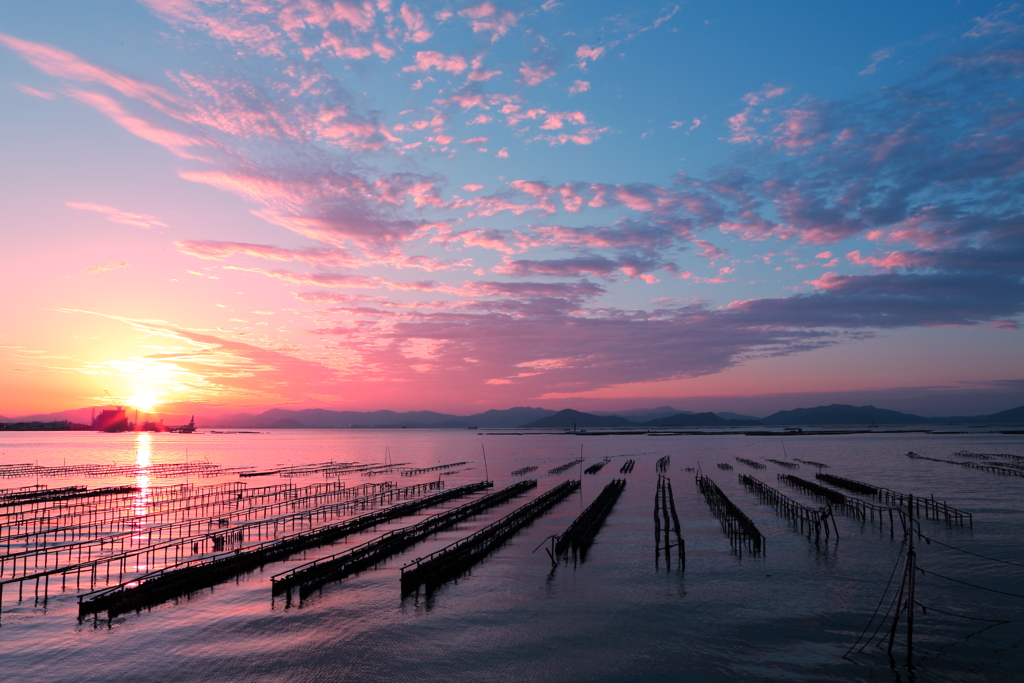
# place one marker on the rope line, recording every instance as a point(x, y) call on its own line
point(984, 557)
point(972, 585)
point(879, 606)
point(934, 609)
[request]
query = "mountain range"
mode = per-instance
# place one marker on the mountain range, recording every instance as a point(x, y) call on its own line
point(543, 418)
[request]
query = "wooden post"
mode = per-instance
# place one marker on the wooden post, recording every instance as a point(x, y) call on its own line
point(911, 569)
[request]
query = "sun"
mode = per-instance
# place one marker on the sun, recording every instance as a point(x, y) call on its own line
point(144, 401)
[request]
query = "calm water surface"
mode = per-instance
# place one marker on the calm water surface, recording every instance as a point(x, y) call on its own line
point(787, 615)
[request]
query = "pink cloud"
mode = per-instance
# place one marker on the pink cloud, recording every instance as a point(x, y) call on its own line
point(585, 53)
point(475, 141)
point(63, 64)
point(219, 251)
point(894, 259)
point(634, 200)
point(741, 130)
point(418, 31)
point(824, 254)
point(92, 270)
point(488, 239)
point(383, 51)
point(709, 251)
point(479, 73)
point(556, 120)
point(502, 153)
point(799, 129)
point(584, 136)
point(428, 59)
point(532, 75)
point(828, 281)
point(579, 86)
point(485, 17)
point(342, 50)
point(570, 199)
point(138, 220)
point(33, 92)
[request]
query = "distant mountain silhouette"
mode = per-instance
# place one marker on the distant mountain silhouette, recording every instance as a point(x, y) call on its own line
point(641, 414)
point(286, 423)
point(700, 420)
point(507, 419)
point(1011, 416)
point(736, 416)
point(568, 418)
point(662, 416)
point(837, 414)
point(319, 418)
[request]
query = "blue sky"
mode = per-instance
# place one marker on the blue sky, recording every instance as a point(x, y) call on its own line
point(464, 205)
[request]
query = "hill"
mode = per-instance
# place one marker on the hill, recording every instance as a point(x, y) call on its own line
point(837, 414)
point(568, 418)
point(700, 420)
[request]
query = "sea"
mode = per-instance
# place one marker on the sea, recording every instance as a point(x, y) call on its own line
point(801, 610)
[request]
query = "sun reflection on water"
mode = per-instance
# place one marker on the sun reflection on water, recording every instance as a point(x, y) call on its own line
point(142, 501)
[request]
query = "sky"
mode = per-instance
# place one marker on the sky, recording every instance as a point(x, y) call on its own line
point(230, 205)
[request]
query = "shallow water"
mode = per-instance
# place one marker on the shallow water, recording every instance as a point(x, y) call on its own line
point(789, 614)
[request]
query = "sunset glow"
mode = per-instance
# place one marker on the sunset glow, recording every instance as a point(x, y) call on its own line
point(228, 206)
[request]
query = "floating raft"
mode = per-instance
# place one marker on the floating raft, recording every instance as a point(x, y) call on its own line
point(423, 470)
point(989, 456)
point(67, 493)
point(1004, 469)
point(158, 470)
point(450, 561)
point(100, 542)
point(860, 508)
point(929, 508)
point(176, 581)
point(752, 463)
point(596, 467)
point(627, 466)
point(819, 465)
point(563, 468)
point(312, 575)
point(784, 463)
point(813, 519)
point(737, 526)
point(523, 470)
point(580, 534)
